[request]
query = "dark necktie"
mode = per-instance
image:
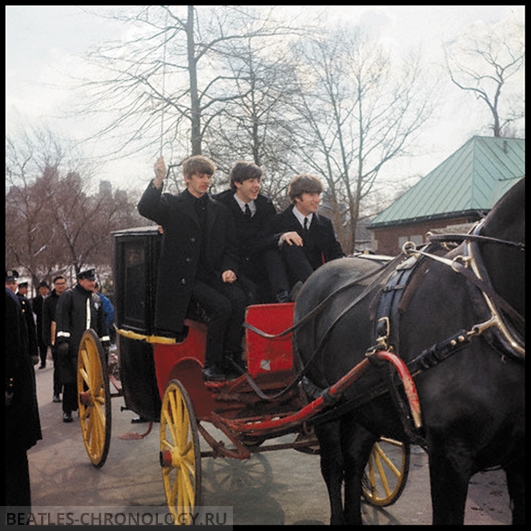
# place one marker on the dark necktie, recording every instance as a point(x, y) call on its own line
point(305, 224)
point(247, 211)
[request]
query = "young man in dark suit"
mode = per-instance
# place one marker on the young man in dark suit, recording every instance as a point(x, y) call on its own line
point(307, 239)
point(262, 273)
point(198, 263)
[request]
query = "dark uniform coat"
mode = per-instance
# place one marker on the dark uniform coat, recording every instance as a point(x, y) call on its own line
point(27, 311)
point(182, 245)
point(23, 428)
point(72, 320)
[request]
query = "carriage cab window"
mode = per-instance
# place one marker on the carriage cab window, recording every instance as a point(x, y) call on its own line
point(135, 282)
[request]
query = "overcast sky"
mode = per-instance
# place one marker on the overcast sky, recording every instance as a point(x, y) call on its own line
point(43, 43)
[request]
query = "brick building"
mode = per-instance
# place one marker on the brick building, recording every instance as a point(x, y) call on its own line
point(460, 191)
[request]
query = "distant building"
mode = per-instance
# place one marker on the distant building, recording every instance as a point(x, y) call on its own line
point(460, 191)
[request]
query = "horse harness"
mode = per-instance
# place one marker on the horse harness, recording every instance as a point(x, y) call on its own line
point(390, 302)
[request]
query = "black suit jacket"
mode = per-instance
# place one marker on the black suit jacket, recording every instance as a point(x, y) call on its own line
point(320, 242)
point(252, 235)
point(182, 245)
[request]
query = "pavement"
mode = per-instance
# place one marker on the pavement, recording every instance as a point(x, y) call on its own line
point(282, 487)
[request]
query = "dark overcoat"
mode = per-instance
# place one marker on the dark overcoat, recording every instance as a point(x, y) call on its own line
point(320, 244)
point(27, 312)
point(49, 307)
point(182, 241)
point(22, 421)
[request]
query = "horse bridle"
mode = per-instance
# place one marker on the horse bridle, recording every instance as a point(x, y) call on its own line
point(478, 276)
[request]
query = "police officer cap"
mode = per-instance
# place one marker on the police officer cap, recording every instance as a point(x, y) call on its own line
point(22, 284)
point(89, 274)
point(43, 284)
point(11, 275)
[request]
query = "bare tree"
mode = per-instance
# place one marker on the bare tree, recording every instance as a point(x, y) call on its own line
point(54, 220)
point(167, 83)
point(359, 111)
point(256, 127)
point(489, 63)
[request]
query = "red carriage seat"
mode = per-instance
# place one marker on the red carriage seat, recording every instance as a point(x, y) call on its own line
point(267, 355)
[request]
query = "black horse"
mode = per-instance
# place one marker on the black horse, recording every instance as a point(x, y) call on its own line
point(454, 312)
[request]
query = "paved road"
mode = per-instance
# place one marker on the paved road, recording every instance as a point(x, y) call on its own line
point(280, 487)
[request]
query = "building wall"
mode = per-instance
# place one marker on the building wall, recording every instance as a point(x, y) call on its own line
point(389, 240)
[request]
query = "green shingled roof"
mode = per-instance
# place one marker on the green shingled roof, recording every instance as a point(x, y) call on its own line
point(470, 180)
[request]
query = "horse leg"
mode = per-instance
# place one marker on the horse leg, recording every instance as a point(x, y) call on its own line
point(449, 478)
point(516, 486)
point(328, 435)
point(356, 443)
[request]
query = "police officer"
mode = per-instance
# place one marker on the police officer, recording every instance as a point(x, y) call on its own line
point(12, 283)
point(78, 309)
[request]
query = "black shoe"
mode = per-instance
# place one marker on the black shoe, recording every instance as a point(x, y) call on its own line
point(282, 296)
point(56, 398)
point(67, 417)
point(139, 420)
point(213, 373)
point(294, 293)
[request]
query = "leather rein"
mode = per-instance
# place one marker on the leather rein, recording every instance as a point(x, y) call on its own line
point(469, 265)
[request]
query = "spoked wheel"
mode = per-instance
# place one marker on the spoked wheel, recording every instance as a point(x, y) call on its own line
point(94, 398)
point(180, 453)
point(386, 472)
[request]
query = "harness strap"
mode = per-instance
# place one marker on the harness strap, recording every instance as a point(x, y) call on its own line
point(386, 330)
point(474, 237)
point(380, 271)
point(458, 267)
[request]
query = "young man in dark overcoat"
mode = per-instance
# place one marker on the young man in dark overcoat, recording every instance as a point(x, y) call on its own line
point(198, 263)
point(311, 239)
point(262, 272)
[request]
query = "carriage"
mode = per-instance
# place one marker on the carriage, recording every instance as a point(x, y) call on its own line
point(160, 379)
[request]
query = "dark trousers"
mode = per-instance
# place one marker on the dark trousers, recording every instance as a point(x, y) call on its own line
point(70, 397)
point(264, 277)
point(57, 385)
point(43, 350)
point(297, 264)
point(224, 306)
point(17, 486)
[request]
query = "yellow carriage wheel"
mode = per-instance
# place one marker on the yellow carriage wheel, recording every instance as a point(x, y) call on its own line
point(94, 398)
point(180, 453)
point(386, 472)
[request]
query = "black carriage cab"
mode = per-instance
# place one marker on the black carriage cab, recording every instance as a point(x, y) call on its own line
point(148, 360)
point(135, 265)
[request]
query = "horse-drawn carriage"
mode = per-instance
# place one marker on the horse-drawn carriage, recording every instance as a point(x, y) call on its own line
point(454, 311)
point(160, 380)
